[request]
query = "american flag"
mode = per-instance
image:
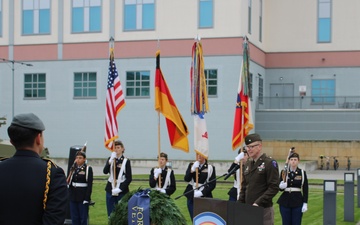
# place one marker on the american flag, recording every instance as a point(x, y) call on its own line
point(115, 101)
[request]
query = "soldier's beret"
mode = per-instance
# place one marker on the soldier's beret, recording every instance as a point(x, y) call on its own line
point(28, 120)
point(252, 138)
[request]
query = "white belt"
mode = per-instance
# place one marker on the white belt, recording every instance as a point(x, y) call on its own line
point(291, 189)
point(74, 184)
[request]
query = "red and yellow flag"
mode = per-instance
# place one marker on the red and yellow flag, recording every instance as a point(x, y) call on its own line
point(243, 119)
point(165, 104)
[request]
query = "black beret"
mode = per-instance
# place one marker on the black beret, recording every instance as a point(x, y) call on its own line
point(252, 138)
point(28, 120)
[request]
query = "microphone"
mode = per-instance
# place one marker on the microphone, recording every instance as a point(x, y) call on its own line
point(236, 167)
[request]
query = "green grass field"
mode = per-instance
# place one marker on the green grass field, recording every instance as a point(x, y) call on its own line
point(314, 215)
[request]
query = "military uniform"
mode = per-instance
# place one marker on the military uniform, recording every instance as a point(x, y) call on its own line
point(170, 187)
point(206, 173)
point(293, 197)
point(22, 189)
point(126, 179)
point(80, 188)
point(260, 182)
point(233, 192)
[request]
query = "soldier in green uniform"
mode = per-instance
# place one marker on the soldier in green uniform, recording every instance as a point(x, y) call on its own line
point(260, 178)
point(32, 190)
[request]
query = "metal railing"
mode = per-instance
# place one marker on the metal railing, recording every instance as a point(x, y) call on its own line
point(309, 102)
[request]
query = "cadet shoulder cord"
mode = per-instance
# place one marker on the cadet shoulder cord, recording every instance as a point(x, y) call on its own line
point(47, 183)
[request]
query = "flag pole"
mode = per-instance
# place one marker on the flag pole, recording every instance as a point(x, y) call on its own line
point(159, 144)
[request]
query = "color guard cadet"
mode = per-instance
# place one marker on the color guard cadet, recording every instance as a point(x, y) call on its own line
point(166, 176)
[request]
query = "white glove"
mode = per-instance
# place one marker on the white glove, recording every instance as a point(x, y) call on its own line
point(157, 172)
point(197, 194)
point(112, 157)
point(161, 190)
point(85, 202)
point(239, 157)
point(116, 191)
point(304, 207)
point(195, 165)
point(283, 185)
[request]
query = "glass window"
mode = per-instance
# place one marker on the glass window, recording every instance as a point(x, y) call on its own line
point(249, 16)
point(206, 13)
point(211, 82)
point(250, 85)
point(85, 85)
point(36, 17)
point(86, 16)
point(323, 91)
point(138, 84)
point(35, 86)
point(324, 21)
point(139, 15)
point(261, 90)
point(1, 18)
point(260, 20)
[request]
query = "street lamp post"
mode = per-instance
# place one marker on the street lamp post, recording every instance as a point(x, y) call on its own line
point(13, 62)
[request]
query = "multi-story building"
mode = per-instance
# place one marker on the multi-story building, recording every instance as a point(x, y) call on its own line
point(304, 68)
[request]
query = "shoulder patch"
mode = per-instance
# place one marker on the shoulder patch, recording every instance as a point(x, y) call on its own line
point(274, 163)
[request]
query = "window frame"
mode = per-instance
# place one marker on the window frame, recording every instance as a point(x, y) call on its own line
point(326, 92)
point(141, 74)
point(261, 90)
point(324, 7)
point(85, 85)
point(208, 81)
point(140, 15)
point(35, 26)
point(209, 23)
point(85, 23)
point(35, 85)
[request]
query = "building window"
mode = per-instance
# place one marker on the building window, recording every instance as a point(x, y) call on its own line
point(324, 21)
point(250, 85)
point(323, 91)
point(261, 90)
point(35, 17)
point(85, 85)
point(206, 13)
point(260, 20)
point(139, 15)
point(1, 18)
point(211, 82)
point(34, 86)
point(249, 16)
point(86, 16)
point(138, 84)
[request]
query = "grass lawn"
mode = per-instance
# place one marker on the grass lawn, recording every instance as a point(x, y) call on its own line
point(313, 216)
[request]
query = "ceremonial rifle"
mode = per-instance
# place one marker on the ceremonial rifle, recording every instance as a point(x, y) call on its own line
point(286, 167)
point(72, 169)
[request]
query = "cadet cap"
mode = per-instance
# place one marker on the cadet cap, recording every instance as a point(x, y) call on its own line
point(28, 120)
point(294, 155)
point(251, 138)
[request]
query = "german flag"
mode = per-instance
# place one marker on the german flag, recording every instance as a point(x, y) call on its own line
point(165, 104)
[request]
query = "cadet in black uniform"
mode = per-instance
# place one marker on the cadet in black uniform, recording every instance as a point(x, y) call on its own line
point(260, 181)
point(167, 178)
point(80, 188)
point(32, 190)
point(206, 173)
point(293, 200)
point(234, 192)
point(123, 176)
